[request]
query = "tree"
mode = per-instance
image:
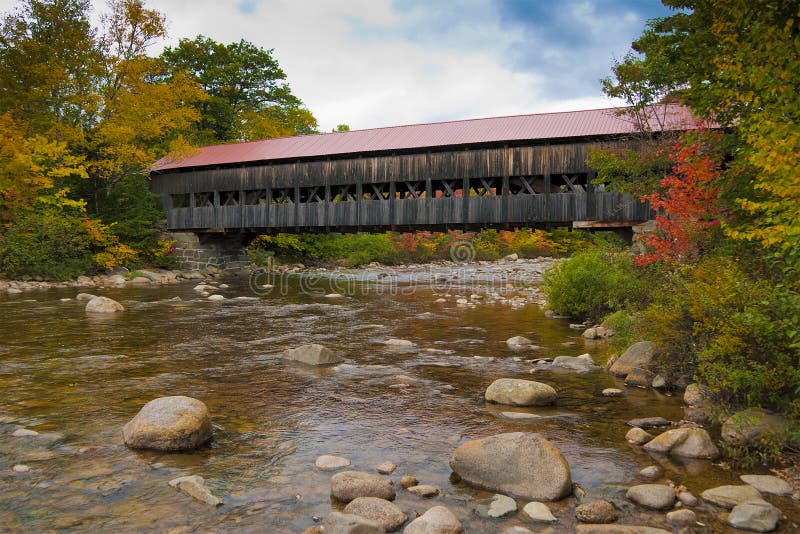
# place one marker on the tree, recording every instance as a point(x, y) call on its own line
point(341, 128)
point(249, 97)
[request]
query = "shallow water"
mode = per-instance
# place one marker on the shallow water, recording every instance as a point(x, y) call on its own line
point(78, 379)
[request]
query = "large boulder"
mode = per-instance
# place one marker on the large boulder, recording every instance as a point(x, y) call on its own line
point(313, 354)
point(437, 520)
point(653, 496)
point(749, 426)
point(757, 515)
point(684, 443)
point(768, 484)
point(640, 378)
point(103, 305)
point(339, 523)
point(638, 355)
point(169, 424)
point(521, 464)
point(349, 485)
point(388, 515)
point(518, 392)
point(729, 496)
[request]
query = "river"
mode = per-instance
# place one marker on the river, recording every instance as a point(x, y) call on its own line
point(78, 379)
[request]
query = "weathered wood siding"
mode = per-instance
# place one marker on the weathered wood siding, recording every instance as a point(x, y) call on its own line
point(402, 190)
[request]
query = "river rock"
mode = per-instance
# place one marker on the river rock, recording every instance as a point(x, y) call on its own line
point(681, 518)
point(538, 511)
point(518, 342)
point(437, 520)
point(399, 343)
point(581, 364)
point(640, 378)
point(768, 484)
point(685, 443)
point(349, 485)
point(406, 481)
point(756, 514)
point(637, 436)
point(103, 305)
point(599, 511)
point(659, 382)
point(729, 496)
point(423, 490)
point(339, 523)
point(327, 462)
point(314, 354)
point(169, 424)
point(638, 355)
point(613, 392)
point(652, 471)
point(687, 498)
point(196, 487)
point(388, 515)
point(522, 464)
point(516, 529)
point(501, 506)
point(749, 426)
point(618, 529)
point(648, 422)
point(84, 297)
point(387, 467)
point(653, 496)
point(24, 433)
point(516, 392)
point(216, 298)
point(696, 394)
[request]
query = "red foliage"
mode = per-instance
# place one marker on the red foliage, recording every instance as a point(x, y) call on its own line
point(689, 208)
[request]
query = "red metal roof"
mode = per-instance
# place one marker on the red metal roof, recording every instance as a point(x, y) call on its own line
point(543, 126)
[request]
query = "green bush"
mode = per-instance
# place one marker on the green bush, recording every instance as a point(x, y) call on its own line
point(590, 284)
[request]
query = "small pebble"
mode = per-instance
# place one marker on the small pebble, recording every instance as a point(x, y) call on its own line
point(407, 481)
point(387, 468)
point(20, 468)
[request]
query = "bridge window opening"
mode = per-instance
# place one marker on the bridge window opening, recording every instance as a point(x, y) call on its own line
point(312, 194)
point(180, 201)
point(378, 191)
point(228, 198)
point(570, 183)
point(410, 190)
point(255, 197)
point(343, 193)
point(283, 195)
point(446, 188)
point(204, 200)
point(526, 185)
point(485, 187)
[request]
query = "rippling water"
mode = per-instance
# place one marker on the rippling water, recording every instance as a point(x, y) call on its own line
point(77, 380)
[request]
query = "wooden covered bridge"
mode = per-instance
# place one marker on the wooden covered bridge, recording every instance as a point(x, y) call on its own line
point(528, 170)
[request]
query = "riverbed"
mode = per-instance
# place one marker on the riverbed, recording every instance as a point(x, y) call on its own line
point(77, 379)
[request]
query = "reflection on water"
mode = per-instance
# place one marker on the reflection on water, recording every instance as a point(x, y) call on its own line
point(77, 380)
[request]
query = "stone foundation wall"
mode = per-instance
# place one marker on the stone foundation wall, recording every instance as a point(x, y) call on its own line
point(200, 251)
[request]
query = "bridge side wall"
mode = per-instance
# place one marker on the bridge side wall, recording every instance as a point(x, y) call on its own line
point(201, 251)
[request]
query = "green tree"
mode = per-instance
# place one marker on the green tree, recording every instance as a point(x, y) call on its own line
point(249, 95)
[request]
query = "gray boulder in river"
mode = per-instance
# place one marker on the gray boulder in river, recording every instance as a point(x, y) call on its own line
point(169, 424)
point(349, 485)
point(103, 305)
point(521, 464)
point(516, 392)
point(638, 355)
point(437, 520)
point(313, 354)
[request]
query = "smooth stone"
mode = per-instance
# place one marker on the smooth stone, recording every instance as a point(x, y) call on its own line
point(195, 486)
point(687, 498)
point(538, 511)
point(437, 520)
point(521, 416)
point(313, 354)
point(659, 382)
point(695, 394)
point(613, 392)
point(349, 485)
point(729, 496)
point(387, 514)
point(517, 392)
point(501, 506)
point(407, 481)
point(638, 377)
point(749, 426)
point(327, 462)
point(599, 511)
point(637, 436)
point(387, 467)
point(103, 305)
point(685, 443)
point(84, 297)
point(757, 515)
point(581, 364)
point(21, 468)
point(681, 518)
point(652, 471)
point(638, 355)
point(521, 464)
point(768, 484)
point(216, 297)
point(169, 424)
point(399, 343)
point(516, 529)
point(339, 523)
point(518, 342)
point(334, 296)
point(24, 432)
point(618, 529)
point(648, 422)
point(653, 496)
point(423, 490)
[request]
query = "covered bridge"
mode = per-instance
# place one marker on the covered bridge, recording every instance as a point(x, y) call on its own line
point(526, 170)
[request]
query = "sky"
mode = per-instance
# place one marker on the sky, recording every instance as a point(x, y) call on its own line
point(375, 63)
